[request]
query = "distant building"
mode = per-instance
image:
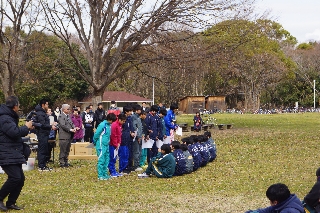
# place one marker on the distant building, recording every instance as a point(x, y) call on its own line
point(120, 97)
point(193, 104)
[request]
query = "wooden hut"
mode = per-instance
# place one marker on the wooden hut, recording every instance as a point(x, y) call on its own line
point(193, 104)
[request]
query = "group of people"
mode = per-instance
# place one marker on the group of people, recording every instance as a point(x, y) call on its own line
point(282, 201)
point(179, 158)
point(122, 136)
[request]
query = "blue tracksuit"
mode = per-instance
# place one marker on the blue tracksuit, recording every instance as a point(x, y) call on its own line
point(180, 162)
point(126, 144)
point(195, 152)
point(211, 151)
point(189, 161)
point(101, 140)
point(204, 153)
point(152, 122)
point(168, 119)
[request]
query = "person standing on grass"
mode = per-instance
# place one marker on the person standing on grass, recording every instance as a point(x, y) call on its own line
point(66, 132)
point(11, 152)
point(115, 141)
point(77, 121)
point(170, 120)
point(43, 133)
point(101, 140)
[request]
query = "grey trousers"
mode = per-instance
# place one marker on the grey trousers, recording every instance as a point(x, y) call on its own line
point(136, 151)
point(65, 145)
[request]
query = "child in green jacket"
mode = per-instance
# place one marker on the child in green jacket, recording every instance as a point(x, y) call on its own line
point(163, 165)
point(101, 140)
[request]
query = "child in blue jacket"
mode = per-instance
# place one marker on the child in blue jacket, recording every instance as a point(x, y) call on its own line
point(101, 140)
point(126, 142)
point(281, 201)
point(179, 157)
point(211, 146)
point(193, 149)
point(188, 157)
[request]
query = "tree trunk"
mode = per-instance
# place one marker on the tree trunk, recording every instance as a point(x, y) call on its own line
point(97, 97)
point(7, 83)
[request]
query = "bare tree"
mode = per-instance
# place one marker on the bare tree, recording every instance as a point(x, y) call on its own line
point(111, 32)
point(17, 19)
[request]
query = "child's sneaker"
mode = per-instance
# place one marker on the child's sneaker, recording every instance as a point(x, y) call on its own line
point(119, 175)
point(139, 169)
point(102, 178)
point(114, 175)
point(45, 169)
point(143, 175)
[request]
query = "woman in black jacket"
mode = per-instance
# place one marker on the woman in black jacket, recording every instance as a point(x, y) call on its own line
point(11, 152)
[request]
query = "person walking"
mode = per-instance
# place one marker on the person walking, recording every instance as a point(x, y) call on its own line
point(12, 154)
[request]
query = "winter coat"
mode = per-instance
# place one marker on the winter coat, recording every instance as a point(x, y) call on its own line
point(99, 115)
point(77, 121)
point(291, 205)
point(11, 144)
point(312, 198)
point(43, 119)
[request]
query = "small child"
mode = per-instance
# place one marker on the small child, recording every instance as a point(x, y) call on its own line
point(163, 165)
point(179, 157)
point(188, 157)
point(213, 150)
point(101, 140)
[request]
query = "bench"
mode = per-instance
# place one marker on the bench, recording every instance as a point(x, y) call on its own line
point(184, 127)
point(205, 127)
point(229, 126)
point(211, 126)
point(223, 126)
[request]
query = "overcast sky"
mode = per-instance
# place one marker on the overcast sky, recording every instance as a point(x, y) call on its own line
point(300, 17)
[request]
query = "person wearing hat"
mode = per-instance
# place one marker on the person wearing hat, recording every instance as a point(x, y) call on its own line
point(311, 200)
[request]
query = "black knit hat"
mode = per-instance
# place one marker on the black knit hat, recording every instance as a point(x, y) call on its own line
point(318, 172)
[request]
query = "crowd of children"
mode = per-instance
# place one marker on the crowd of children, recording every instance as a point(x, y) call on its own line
point(122, 137)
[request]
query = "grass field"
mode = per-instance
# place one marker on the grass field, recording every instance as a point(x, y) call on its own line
point(258, 151)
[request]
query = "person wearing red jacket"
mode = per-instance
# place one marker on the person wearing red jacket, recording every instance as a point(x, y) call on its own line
point(115, 141)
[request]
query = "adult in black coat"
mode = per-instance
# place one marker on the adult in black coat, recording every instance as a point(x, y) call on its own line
point(43, 134)
point(99, 114)
point(11, 152)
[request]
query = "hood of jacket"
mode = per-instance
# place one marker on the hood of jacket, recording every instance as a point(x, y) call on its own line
point(292, 202)
point(39, 108)
point(4, 110)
